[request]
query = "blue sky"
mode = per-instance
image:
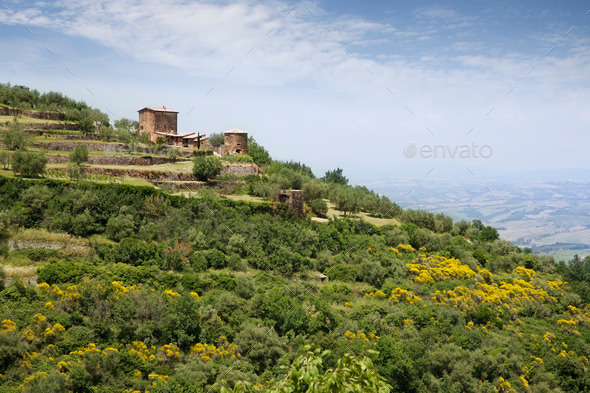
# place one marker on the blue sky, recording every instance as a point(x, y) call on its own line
point(331, 83)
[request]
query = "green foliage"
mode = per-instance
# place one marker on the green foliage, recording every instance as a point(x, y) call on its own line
point(26, 98)
point(258, 153)
point(16, 137)
point(335, 176)
point(79, 155)
point(28, 164)
point(216, 139)
point(206, 167)
point(86, 126)
point(57, 272)
point(237, 158)
point(128, 125)
point(307, 374)
point(319, 207)
point(2, 273)
point(4, 159)
point(176, 282)
point(120, 227)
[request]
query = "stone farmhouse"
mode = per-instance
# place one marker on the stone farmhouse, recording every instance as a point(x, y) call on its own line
point(163, 123)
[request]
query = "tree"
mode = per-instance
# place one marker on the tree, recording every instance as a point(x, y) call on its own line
point(335, 176)
point(79, 155)
point(206, 167)
point(121, 226)
point(127, 125)
point(352, 374)
point(86, 125)
point(16, 137)
point(4, 159)
point(258, 153)
point(319, 207)
point(28, 164)
point(216, 139)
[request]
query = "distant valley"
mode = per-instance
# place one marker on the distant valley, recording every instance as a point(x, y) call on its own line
point(550, 217)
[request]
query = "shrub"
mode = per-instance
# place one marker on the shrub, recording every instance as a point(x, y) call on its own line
point(56, 272)
point(319, 207)
point(16, 137)
point(237, 158)
point(120, 227)
point(215, 259)
point(2, 278)
point(79, 155)
point(28, 164)
point(4, 159)
point(216, 139)
point(206, 167)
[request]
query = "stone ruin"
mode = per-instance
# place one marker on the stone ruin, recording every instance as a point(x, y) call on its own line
point(293, 199)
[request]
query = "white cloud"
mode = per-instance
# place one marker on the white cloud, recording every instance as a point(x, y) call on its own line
point(448, 93)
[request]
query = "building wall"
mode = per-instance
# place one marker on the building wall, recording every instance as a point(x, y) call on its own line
point(236, 143)
point(151, 122)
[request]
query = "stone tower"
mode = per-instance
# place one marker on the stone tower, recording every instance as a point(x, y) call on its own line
point(236, 142)
point(152, 120)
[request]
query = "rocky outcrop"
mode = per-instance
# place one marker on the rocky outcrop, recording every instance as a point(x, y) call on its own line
point(72, 248)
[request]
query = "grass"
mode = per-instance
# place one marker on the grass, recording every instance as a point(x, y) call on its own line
point(29, 120)
point(248, 198)
point(361, 215)
point(42, 234)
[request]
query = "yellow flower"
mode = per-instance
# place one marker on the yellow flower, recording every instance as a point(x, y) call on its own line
point(49, 306)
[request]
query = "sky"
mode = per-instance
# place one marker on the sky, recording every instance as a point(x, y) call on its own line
point(382, 89)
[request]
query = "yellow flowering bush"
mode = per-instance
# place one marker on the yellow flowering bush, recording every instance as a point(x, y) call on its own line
point(396, 252)
point(223, 350)
point(171, 294)
point(523, 271)
point(405, 248)
point(434, 268)
point(515, 293)
point(8, 326)
point(377, 294)
point(399, 295)
point(370, 338)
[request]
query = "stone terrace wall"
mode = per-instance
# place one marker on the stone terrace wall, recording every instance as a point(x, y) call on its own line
point(68, 127)
point(240, 170)
point(107, 160)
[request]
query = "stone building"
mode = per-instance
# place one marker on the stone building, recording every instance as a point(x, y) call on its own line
point(158, 120)
point(293, 199)
point(236, 142)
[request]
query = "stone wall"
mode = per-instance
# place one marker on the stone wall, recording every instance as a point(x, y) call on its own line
point(293, 199)
point(240, 170)
point(109, 160)
point(53, 126)
point(71, 248)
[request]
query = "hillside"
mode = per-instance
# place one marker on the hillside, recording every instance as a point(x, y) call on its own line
point(125, 277)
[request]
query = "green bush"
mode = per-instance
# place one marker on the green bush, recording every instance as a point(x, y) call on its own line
point(216, 139)
point(206, 167)
point(28, 164)
point(16, 137)
point(79, 155)
point(216, 259)
point(319, 207)
point(56, 272)
point(237, 158)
